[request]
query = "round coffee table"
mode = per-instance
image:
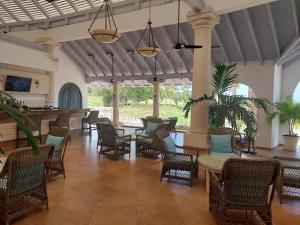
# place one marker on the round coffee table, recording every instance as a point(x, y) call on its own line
point(214, 163)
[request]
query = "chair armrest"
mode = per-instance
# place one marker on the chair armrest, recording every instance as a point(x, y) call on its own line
point(137, 130)
point(120, 131)
point(189, 148)
point(180, 155)
point(237, 151)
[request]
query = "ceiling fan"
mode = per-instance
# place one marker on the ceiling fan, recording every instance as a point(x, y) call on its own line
point(179, 45)
point(50, 1)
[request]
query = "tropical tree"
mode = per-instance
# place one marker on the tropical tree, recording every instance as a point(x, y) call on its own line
point(12, 107)
point(224, 108)
point(288, 112)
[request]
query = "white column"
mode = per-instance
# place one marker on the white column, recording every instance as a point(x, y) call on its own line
point(52, 47)
point(203, 23)
point(116, 97)
point(156, 98)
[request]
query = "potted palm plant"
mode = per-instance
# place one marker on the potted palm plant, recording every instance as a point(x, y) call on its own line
point(288, 112)
point(224, 108)
point(9, 105)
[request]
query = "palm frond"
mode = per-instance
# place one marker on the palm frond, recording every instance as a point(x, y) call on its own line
point(187, 108)
point(223, 78)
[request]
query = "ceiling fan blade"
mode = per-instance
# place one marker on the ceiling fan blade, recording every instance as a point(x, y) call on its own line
point(193, 46)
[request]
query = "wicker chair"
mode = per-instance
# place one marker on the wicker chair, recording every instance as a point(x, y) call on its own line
point(35, 128)
point(177, 164)
point(244, 192)
point(146, 143)
point(92, 119)
point(222, 131)
point(120, 131)
point(111, 143)
point(289, 183)
point(58, 167)
point(23, 182)
point(62, 121)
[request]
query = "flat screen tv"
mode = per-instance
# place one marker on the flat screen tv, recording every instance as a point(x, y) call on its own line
point(19, 84)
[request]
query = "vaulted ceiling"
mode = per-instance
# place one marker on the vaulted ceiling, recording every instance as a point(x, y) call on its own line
point(255, 34)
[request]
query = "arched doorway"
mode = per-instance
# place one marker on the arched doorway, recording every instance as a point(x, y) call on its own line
point(296, 97)
point(70, 97)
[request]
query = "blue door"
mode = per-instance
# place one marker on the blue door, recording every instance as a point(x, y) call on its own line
point(70, 97)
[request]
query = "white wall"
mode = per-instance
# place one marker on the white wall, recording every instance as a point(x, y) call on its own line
point(260, 78)
point(68, 71)
point(24, 61)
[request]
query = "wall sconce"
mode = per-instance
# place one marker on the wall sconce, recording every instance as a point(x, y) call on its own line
point(36, 83)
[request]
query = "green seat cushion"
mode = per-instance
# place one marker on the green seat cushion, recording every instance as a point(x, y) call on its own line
point(151, 127)
point(122, 140)
point(146, 140)
point(221, 143)
point(169, 144)
point(57, 142)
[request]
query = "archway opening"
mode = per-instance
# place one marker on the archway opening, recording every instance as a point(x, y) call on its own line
point(70, 97)
point(246, 91)
point(296, 97)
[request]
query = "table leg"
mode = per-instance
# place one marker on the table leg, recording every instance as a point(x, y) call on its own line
point(207, 180)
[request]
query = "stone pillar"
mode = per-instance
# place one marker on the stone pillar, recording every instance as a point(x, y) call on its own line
point(116, 100)
point(203, 23)
point(156, 98)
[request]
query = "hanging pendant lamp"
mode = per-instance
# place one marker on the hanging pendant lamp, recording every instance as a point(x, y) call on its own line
point(112, 80)
point(151, 50)
point(109, 34)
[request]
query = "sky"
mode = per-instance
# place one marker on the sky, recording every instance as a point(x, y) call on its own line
point(297, 93)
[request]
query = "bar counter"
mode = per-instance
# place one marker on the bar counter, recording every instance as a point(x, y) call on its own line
point(8, 125)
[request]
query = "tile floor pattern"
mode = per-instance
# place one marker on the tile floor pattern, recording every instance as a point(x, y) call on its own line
point(128, 192)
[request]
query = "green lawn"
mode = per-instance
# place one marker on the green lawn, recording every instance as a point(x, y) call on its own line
point(143, 110)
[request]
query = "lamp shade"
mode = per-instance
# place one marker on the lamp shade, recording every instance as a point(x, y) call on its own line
point(149, 51)
point(105, 35)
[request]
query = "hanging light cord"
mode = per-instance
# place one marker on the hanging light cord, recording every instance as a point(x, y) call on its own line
point(178, 22)
point(108, 15)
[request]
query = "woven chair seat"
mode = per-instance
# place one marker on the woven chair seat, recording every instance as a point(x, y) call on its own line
point(292, 176)
point(181, 160)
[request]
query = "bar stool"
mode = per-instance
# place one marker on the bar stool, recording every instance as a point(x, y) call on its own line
point(35, 128)
point(62, 121)
point(90, 120)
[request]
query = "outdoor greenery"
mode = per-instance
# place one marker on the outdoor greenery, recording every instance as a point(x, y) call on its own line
point(136, 102)
point(288, 111)
point(11, 106)
point(234, 110)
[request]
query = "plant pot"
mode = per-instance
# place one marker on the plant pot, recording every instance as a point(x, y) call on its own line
point(290, 142)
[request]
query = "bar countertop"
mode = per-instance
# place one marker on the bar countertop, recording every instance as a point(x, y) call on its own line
point(45, 113)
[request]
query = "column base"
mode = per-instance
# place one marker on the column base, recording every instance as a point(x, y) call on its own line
point(197, 140)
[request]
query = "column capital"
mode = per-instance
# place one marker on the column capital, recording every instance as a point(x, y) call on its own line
point(206, 18)
point(50, 45)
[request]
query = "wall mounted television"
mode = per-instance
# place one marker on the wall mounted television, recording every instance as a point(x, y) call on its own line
point(18, 84)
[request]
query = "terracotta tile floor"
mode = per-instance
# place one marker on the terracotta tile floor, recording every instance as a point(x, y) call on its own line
point(128, 192)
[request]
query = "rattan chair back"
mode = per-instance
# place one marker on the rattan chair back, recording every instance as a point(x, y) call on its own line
point(249, 183)
point(59, 154)
point(25, 171)
point(62, 120)
point(172, 123)
point(108, 133)
point(93, 116)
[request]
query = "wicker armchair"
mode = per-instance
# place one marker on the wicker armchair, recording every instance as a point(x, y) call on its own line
point(244, 192)
point(120, 131)
point(58, 167)
point(62, 121)
point(35, 129)
point(23, 182)
point(222, 131)
point(146, 143)
point(288, 184)
point(92, 119)
point(111, 143)
point(177, 164)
